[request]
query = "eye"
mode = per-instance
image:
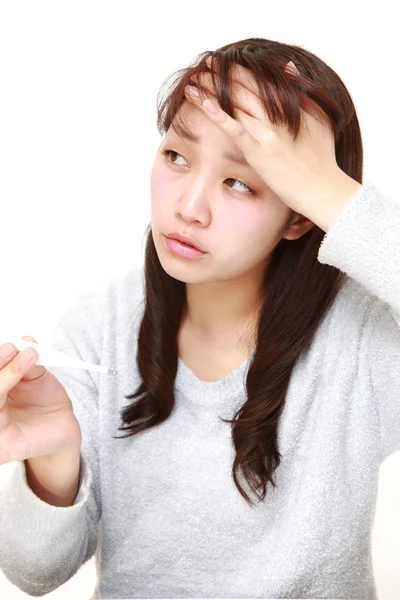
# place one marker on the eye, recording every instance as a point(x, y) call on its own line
point(171, 153)
point(246, 187)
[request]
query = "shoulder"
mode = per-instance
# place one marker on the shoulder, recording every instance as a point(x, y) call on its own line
point(121, 294)
point(352, 307)
point(127, 286)
point(124, 295)
point(367, 323)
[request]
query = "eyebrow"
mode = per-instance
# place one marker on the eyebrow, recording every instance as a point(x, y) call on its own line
point(192, 137)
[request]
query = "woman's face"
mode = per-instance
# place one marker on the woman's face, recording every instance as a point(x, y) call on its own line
point(198, 190)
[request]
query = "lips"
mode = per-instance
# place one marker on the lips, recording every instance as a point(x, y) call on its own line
point(186, 240)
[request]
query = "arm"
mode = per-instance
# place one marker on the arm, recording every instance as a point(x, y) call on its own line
point(48, 531)
point(364, 242)
point(55, 478)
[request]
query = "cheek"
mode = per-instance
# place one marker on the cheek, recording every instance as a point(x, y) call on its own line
point(251, 228)
point(244, 219)
point(161, 181)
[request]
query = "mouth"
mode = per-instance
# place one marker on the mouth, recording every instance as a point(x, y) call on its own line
point(186, 241)
point(182, 249)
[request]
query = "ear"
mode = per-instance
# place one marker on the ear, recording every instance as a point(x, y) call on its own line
point(300, 225)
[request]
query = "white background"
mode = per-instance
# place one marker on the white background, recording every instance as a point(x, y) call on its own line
point(78, 88)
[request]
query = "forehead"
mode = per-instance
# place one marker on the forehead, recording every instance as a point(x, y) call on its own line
point(192, 125)
point(195, 122)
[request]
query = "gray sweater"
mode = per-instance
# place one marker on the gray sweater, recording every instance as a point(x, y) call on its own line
point(160, 511)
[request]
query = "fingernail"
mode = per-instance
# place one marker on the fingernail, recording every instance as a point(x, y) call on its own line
point(293, 68)
point(192, 92)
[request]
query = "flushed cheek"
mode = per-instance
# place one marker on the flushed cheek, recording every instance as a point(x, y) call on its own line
point(246, 222)
point(250, 231)
point(233, 230)
point(161, 182)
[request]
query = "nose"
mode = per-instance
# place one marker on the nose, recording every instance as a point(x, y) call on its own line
point(193, 203)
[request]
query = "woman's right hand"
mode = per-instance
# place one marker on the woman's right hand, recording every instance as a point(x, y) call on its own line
point(36, 415)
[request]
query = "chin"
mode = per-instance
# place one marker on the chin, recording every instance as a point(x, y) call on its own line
point(182, 270)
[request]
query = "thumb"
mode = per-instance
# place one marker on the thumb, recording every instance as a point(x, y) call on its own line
point(35, 371)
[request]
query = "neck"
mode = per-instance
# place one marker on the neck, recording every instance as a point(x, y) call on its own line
point(223, 312)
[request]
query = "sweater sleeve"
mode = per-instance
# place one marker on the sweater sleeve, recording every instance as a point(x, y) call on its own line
point(364, 242)
point(43, 546)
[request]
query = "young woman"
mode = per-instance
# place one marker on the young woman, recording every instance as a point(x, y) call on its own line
point(267, 373)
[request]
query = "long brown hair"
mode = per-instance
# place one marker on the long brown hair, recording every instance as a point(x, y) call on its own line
point(298, 290)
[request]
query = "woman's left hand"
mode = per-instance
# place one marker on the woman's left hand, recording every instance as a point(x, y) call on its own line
point(302, 173)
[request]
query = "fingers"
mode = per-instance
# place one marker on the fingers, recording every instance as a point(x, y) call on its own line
point(35, 371)
point(19, 365)
point(245, 92)
point(13, 361)
point(13, 367)
point(250, 128)
point(245, 78)
point(239, 74)
point(232, 127)
point(243, 98)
